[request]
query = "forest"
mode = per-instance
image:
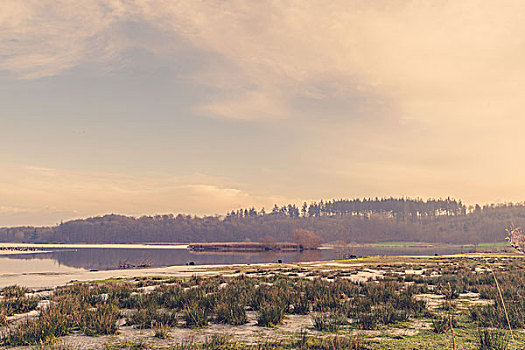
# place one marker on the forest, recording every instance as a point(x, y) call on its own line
point(348, 220)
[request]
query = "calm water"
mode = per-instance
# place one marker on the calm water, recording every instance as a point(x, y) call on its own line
point(58, 259)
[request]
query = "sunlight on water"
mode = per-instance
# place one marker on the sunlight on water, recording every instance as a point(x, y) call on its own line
point(106, 246)
point(10, 266)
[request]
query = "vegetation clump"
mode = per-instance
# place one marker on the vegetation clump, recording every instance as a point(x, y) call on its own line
point(195, 315)
point(329, 321)
point(270, 315)
point(488, 339)
point(231, 313)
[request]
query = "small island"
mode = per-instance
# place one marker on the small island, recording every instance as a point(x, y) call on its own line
point(303, 240)
point(244, 247)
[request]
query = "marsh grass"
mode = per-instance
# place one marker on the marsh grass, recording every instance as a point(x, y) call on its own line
point(270, 315)
point(300, 305)
point(13, 291)
point(17, 304)
point(230, 313)
point(102, 320)
point(55, 321)
point(195, 315)
point(333, 300)
point(366, 321)
point(302, 342)
point(162, 331)
point(329, 321)
point(505, 310)
point(68, 311)
point(149, 316)
point(335, 343)
point(489, 339)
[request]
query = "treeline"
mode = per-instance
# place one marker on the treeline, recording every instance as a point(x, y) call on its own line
point(413, 210)
point(356, 220)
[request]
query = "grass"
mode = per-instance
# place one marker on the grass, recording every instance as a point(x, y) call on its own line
point(231, 313)
point(102, 320)
point(489, 339)
point(195, 315)
point(401, 244)
point(329, 321)
point(219, 342)
point(162, 331)
point(270, 315)
point(394, 306)
point(441, 324)
point(17, 305)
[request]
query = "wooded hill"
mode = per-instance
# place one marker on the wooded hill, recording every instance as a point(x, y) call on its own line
point(356, 220)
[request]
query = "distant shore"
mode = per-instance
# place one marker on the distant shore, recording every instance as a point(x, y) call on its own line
point(245, 247)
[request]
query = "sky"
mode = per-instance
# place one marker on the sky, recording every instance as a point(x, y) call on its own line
point(142, 107)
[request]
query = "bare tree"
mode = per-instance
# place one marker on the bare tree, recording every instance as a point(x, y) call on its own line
point(306, 239)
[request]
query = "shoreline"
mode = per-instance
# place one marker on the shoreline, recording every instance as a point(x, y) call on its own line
point(96, 245)
point(48, 280)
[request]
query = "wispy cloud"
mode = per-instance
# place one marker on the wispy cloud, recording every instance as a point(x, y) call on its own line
point(421, 56)
point(249, 105)
point(49, 194)
point(12, 210)
point(383, 90)
point(43, 38)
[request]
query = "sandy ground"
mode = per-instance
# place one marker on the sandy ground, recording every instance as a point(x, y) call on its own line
point(21, 252)
point(50, 280)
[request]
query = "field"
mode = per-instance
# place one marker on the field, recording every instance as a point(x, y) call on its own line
point(370, 303)
point(490, 245)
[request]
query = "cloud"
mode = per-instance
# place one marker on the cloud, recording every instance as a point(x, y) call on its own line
point(44, 38)
point(393, 89)
point(419, 56)
point(11, 210)
point(35, 195)
point(248, 106)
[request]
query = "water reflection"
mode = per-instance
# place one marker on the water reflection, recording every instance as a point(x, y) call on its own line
point(108, 259)
point(60, 260)
point(13, 265)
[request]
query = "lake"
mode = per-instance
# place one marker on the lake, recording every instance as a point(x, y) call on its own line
point(49, 258)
